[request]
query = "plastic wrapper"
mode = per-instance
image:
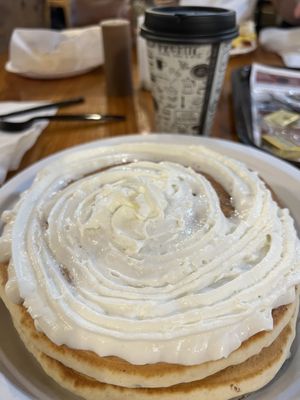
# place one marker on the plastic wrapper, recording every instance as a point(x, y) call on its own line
point(275, 102)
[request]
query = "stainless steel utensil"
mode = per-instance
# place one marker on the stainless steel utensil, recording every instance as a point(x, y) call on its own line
point(17, 127)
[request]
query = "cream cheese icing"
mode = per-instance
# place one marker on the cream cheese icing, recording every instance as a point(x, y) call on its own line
point(125, 251)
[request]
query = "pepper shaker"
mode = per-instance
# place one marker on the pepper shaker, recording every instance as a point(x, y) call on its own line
point(117, 55)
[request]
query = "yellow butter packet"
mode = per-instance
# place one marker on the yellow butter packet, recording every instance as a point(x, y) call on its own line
point(287, 155)
point(281, 143)
point(282, 118)
point(281, 148)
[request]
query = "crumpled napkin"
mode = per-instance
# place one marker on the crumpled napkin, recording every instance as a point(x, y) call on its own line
point(45, 53)
point(285, 42)
point(9, 392)
point(14, 146)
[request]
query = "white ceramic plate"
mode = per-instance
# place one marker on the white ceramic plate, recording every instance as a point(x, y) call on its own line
point(243, 49)
point(21, 378)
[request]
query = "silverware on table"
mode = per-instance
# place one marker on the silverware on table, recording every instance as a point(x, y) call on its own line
point(58, 104)
point(16, 127)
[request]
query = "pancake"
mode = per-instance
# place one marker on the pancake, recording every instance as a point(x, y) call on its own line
point(206, 309)
point(118, 372)
point(234, 381)
point(229, 383)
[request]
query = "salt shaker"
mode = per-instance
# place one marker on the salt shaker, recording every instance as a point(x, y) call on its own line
point(117, 48)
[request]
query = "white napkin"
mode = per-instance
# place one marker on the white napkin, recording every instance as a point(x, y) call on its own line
point(14, 146)
point(10, 392)
point(285, 42)
point(44, 53)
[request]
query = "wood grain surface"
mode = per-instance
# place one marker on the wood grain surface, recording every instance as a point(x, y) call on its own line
point(137, 108)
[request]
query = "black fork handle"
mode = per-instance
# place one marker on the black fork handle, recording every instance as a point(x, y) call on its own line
point(62, 103)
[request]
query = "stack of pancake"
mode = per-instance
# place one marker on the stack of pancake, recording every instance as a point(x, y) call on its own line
point(152, 271)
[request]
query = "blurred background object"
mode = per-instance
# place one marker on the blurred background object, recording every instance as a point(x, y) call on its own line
point(88, 12)
point(245, 9)
point(252, 15)
point(288, 12)
point(117, 48)
point(265, 15)
point(70, 13)
point(246, 41)
point(77, 13)
point(285, 42)
point(21, 13)
point(60, 12)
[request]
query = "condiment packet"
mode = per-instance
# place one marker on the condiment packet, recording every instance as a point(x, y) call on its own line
point(275, 107)
point(281, 143)
point(282, 118)
point(282, 146)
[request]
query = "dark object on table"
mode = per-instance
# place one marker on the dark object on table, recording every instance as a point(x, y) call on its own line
point(265, 15)
point(58, 104)
point(242, 104)
point(117, 49)
point(16, 127)
point(287, 12)
point(242, 107)
point(17, 13)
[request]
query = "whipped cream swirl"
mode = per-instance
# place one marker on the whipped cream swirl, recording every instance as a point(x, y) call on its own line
point(125, 251)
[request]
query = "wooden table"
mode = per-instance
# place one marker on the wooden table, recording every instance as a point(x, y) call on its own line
point(138, 109)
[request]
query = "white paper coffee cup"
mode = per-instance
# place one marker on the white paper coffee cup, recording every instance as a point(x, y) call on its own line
point(187, 63)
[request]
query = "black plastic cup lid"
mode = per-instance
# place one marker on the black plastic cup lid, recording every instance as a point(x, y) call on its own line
point(189, 24)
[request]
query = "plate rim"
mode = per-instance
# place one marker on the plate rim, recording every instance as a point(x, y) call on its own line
point(27, 175)
point(153, 137)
